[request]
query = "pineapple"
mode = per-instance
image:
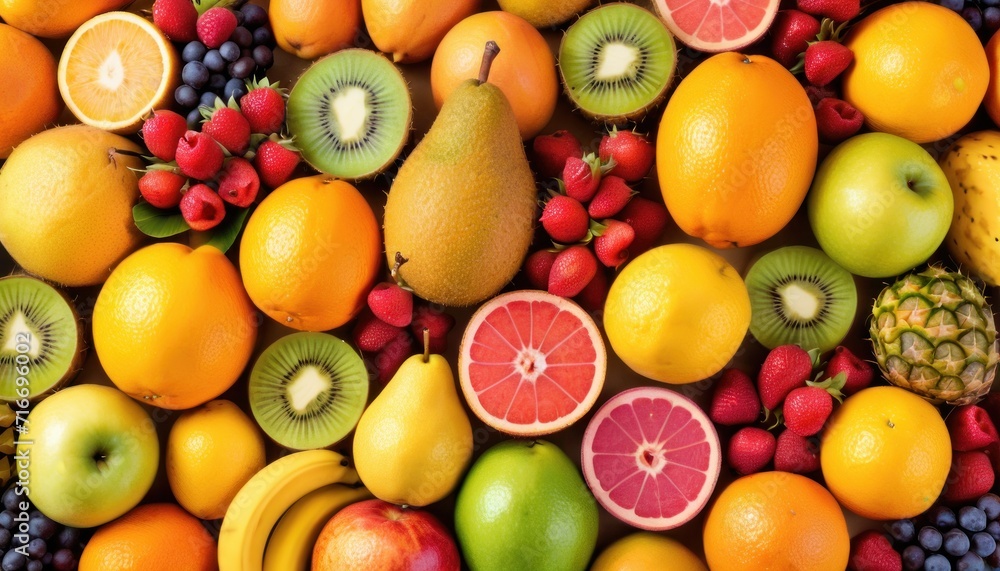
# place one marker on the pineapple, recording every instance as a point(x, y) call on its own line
point(934, 334)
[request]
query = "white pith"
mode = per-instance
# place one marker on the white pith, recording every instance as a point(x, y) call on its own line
point(617, 61)
point(111, 72)
point(799, 302)
point(309, 383)
point(15, 329)
point(350, 113)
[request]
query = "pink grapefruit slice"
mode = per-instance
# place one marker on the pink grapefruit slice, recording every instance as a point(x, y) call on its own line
point(531, 363)
point(717, 25)
point(651, 457)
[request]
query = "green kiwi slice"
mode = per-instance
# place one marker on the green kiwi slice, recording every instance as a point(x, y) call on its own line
point(617, 62)
point(350, 113)
point(308, 390)
point(41, 341)
point(799, 295)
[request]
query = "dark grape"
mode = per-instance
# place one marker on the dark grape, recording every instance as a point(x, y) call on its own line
point(69, 537)
point(208, 99)
point(242, 37)
point(903, 530)
point(35, 566)
point(41, 526)
point(47, 560)
point(195, 74)
point(186, 96)
point(7, 520)
point(263, 37)
point(937, 562)
point(11, 501)
point(929, 538)
point(215, 62)
point(239, 17)
point(246, 52)
point(64, 560)
point(230, 51)
point(983, 544)
point(217, 82)
point(193, 51)
point(913, 558)
point(953, 5)
point(972, 518)
point(990, 504)
point(235, 88)
point(194, 119)
point(973, 16)
point(971, 562)
point(263, 56)
point(5, 537)
point(989, 2)
point(242, 68)
point(12, 561)
point(991, 19)
point(253, 16)
point(942, 518)
point(37, 548)
point(956, 542)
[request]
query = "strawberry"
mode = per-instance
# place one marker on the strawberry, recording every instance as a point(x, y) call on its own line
point(970, 428)
point(611, 245)
point(564, 219)
point(199, 156)
point(817, 94)
point(790, 35)
point(648, 219)
point(749, 450)
point(613, 194)
point(785, 368)
point(971, 476)
point(371, 334)
point(391, 303)
point(264, 107)
point(872, 551)
point(550, 152)
point(202, 208)
point(177, 19)
point(796, 454)
point(837, 120)
point(215, 26)
point(163, 130)
point(438, 325)
point(538, 266)
point(581, 177)
point(858, 373)
point(631, 152)
point(836, 10)
point(806, 410)
point(572, 270)
point(162, 188)
point(275, 161)
point(734, 399)
point(826, 60)
point(238, 182)
point(593, 296)
point(227, 126)
point(389, 359)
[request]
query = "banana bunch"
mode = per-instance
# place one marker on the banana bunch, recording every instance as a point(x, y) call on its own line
point(308, 477)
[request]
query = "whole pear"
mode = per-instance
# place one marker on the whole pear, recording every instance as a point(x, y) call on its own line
point(462, 207)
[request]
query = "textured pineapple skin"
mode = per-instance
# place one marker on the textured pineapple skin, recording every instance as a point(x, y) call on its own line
point(934, 334)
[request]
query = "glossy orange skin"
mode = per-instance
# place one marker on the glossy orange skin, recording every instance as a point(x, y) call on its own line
point(29, 95)
point(313, 28)
point(410, 30)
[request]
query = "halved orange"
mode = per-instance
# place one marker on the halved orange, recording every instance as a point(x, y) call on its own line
point(116, 68)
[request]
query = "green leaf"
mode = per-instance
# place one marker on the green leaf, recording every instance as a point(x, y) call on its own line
point(203, 5)
point(156, 222)
point(224, 235)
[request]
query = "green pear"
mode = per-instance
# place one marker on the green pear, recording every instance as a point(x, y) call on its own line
point(462, 208)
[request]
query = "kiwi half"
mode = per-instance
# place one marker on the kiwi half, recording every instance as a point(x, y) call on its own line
point(350, 114)
point(799, 295)
point(308, 390)
point(41, 341)
point(617, 62)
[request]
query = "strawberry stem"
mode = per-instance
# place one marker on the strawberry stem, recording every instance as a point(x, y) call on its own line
point(492, 49)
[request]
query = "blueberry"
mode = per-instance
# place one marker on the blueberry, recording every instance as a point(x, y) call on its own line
point(194, 119)
point(11, 501)
point(242, 37)
point(956, 542)
point(186, 96)
point(235, 88)
point(195, 74)
point(263, 37)
point(942, 518)
point(230, 51)
point(35, 566)
point(215, 62)
point(12, 561)
point(971, 562)
point(937, 562)
point(972, 518)
point(41, 526)
point(973, 16)
point(990, 2)
point(193, 51)
point(253, 15)
point(263, 56)
point(953, 5)
point(208, 99)
point(64, 560)
point(983, 544)
point(7, 519)
point(217, 82)
point(993, 528)
point(37, 548)
point(69, 537)
point(913, 558)
point(929, 538)
point(902, 530)
point(242, 68)
point(239, 17)
point(991, 19)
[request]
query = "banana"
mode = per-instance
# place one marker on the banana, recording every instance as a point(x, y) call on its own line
point(262, 501)
point(291, 544)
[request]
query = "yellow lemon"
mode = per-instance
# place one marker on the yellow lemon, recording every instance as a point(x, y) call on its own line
point(212, 451)
point(644, 551)
point(886, 454)
point(677, 313)
point(173, 326)
point(66, 201)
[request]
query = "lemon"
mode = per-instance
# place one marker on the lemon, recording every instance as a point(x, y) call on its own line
point(212, 451)
point(66, 203)
point(643, 551)
point(677, 313)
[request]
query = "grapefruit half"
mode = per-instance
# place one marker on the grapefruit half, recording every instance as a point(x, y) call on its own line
point(651, 457)
point(531, 363)
point(717, 25)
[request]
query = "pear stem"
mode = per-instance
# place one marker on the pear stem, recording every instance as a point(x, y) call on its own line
point(492, 49)
point(427, 345)
point(400, 260)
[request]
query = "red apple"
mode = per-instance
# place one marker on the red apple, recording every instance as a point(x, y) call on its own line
point(374, 534)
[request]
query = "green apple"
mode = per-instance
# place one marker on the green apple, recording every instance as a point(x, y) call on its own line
point(89, 455)
point(880, 205)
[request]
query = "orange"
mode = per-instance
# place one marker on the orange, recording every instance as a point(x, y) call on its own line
point(776, 520)
point(644, 551)
point(53, 18)
point(313, 28)
point(886, 454)
point(66, 203)
point(29, 95)
point(919, 71)
point(151, 537)
point(525, 70)
point(992, 99)
point(116, 69)
point(411, 30)
point(736, 150)
point(212, 451)
point(173, 326)
point(311, 252)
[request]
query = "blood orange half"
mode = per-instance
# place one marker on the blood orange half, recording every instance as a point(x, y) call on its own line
point(717, 25)
point(651, 457)
point(531, 363)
